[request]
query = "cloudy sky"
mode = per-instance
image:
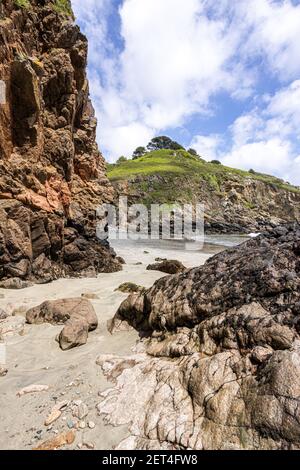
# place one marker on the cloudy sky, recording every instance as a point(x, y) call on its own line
point(222, 77)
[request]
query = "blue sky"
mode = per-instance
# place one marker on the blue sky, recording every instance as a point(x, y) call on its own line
point(222, 77)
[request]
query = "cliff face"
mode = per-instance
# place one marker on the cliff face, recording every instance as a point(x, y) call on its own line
point(52, 176)
point(234, 200)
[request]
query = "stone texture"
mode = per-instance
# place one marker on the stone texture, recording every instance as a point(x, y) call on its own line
point(219, 367)
point(167, 266)
point(52, 176)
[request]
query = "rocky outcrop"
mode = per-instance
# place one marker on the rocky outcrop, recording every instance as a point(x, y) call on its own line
point(77, 315)
point(233, 203)
point(52, 176)
point(220, 365)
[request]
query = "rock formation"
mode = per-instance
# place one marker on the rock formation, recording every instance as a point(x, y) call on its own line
point(219, 366)
point(77, 315)
point(52, 176)
point(234, 201)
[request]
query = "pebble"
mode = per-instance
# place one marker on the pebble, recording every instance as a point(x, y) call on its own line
point(80, 410)
point(82, 424)
point(91, 424)
point(53, 416)
point(32, 389)
point(89, 445)
point(70, 424)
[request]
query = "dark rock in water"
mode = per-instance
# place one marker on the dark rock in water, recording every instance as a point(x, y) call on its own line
point(232, 330)
point(78, 316)
point(52, 176)
point(167, 266)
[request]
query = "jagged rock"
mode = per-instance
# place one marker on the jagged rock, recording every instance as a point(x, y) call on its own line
point(167, 266)
point(52, 176)
point(231, 328)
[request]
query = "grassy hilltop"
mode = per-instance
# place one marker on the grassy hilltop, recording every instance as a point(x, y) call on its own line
point(232, 197)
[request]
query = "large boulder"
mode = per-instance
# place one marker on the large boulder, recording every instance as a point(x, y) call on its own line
point(60, 311)
point(221, 362)
point(77, 315)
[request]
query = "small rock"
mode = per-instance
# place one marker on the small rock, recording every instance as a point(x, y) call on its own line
point(80, 410)
point(89, 445)
point(91, 424)
point(80, 445)
point(3, 314)
point(3, 371)
point(70, 424)
point(54, 415)
point(167, 266)
point(130, 287)
point(32, 389)
point(57, 441)
point(82, 424)
point(89, 295)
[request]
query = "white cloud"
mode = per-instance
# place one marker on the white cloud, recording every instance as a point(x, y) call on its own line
point(207, 146)
point(172, 60)
point(271, 29)
point(270, 156)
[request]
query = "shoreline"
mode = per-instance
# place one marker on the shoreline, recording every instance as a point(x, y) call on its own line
point(35, 356)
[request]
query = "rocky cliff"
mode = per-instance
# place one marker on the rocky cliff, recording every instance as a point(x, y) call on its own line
point(220, 365)
point(234, 200)
point(52, 176)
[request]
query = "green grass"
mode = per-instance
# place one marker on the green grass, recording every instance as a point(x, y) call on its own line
point(181, 163)
point(23, 3)
point(63, 7)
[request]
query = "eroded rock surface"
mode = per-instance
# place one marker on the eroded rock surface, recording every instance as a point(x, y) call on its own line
point(52, 176)
point(220, 368)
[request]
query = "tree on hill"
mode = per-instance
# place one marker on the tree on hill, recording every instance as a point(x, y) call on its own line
point(163, 143)
point(139, 152)
point(193, 152)
point(122, 159)
point(216, 162)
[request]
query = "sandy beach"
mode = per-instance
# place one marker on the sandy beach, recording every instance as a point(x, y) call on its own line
point(35, 357)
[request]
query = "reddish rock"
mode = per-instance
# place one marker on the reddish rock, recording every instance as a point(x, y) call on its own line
point(52, 176)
